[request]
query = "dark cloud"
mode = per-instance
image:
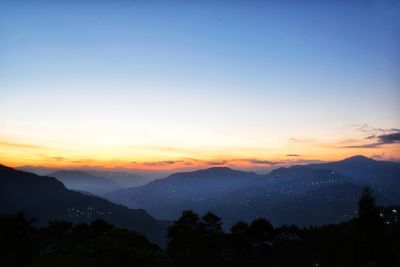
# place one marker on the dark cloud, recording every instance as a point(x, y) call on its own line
point(363, 146)
point(390, 136)
point(283, 162)
point(216, 163)
point(162, 163)
point(304, 161)
point(292, 155)
point(263, 162)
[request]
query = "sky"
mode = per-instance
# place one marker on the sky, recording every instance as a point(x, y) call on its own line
point(191, 84)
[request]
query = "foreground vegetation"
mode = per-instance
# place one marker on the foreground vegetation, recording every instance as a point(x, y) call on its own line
point(371, 239)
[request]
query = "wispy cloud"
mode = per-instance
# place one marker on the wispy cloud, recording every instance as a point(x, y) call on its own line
point(217, 163)
point(378, 156)
point(264, 162)
point(80, 161)
point(366, 128)
point(162, 163)
point(377, 136)
point(299, 140)
point(293, 155)
point(288, 162)
point(19, 145)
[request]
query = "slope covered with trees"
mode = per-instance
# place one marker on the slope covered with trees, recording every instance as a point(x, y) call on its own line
point(45, 198)
point(370, 239)
point(312, 194)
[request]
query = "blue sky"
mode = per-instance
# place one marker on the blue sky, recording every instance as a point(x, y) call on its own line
point(200, 76)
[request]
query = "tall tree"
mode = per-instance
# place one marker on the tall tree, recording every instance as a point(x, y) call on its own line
point(370, 230)
point(183, 237)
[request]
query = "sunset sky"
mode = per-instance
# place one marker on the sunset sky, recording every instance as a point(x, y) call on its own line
point(190, 84)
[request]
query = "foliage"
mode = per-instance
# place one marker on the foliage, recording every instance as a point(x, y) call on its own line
point(371, 239)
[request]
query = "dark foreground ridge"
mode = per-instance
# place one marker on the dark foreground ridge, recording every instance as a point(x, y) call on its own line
point(371, 239)
point(46, 199)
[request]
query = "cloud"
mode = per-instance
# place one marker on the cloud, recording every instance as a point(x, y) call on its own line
point(390, 138)
point(184, 162)
point(367, 128)
point(381, 137)
point(216, 163)
point(292, 155)
point(162, 163)
point(58, 158)
point(19, 145)
point(374, 145)
point(288, 162)
point(378, 156)
point(263, 162)
point(80, 161)
point(304, 161)
point(297, 140)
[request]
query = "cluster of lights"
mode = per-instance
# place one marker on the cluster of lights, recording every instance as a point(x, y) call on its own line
point(88, 212)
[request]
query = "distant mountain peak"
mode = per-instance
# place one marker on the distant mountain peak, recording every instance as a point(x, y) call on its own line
point(222, 171)
point(210, 171)
point(71, 172)
point(218, 169)
point(358, 158)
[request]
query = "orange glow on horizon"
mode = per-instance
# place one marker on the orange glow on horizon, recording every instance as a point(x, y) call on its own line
point(21, 155)
point(113, 151)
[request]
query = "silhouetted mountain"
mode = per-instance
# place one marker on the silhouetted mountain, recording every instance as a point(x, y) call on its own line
point(297, 179)
point(383, 176)
point(123, 178)
point(332, 203)
point(45, 198)
point(83, 181)
point(39, 170)
point(227, 191)
point(298, 194)
point(167, 197)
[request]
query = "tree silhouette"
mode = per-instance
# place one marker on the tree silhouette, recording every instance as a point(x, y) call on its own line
point(370, 230)
point(183, 237)
point(18, 244)
point(211, 223)
point(261, 229)
point(195, 241)
point(239, 228)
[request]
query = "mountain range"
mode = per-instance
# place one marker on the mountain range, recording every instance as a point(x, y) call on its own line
point(311, 194)
point(86, 182)
point(95, 182)
point(46, 198)
point(303, 195)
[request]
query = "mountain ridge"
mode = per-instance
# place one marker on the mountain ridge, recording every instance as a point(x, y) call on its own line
point(167, 197)
point(46, 198)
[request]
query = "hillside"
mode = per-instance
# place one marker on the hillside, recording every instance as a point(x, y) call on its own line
point(45, 198)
